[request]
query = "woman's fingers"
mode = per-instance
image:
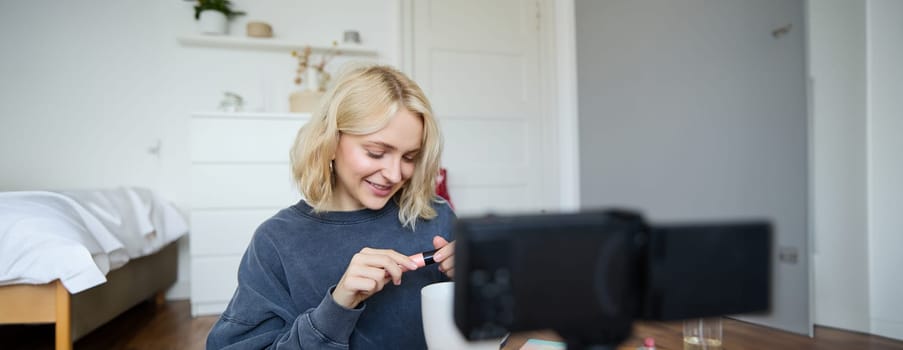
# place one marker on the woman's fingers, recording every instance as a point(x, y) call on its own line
point(396, 264)
point(374, 273)
point(445, 256)
point(379, 266)
point(399, 258)
point(362, 285)
point(445, 249)
point(447, 264)
point(368, 272)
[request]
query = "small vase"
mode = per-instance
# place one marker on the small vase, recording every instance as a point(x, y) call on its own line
point(313, 79)
point(304, 101)
point(213, 22)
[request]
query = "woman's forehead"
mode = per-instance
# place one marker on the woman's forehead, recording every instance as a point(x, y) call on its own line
point(403, 132)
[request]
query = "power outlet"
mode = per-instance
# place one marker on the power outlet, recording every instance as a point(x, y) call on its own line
point(789, 255)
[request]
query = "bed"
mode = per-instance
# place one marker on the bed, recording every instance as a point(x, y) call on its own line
point(80, 258)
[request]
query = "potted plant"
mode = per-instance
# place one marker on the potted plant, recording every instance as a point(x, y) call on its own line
point(214, 15)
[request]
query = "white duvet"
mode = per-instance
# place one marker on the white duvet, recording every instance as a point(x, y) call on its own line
point(79, 236)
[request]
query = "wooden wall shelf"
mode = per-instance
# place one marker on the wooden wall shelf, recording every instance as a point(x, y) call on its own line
point(267, 44)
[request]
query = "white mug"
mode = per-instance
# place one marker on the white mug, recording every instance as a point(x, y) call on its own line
point(439, 327)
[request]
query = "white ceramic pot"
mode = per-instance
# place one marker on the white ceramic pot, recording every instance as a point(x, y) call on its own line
point(313, 79)
point(213, 22)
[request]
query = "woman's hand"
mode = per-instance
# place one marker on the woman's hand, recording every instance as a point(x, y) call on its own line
point(445, 256)
point(367, 274)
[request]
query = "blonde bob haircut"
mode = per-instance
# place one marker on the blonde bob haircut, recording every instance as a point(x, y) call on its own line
point(363, 101)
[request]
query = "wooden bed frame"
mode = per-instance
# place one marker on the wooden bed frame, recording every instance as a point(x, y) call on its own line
point(75, 315)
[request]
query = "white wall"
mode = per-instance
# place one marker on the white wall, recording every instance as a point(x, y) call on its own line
point(855, 50)
point(837, 67)
point(88, 86)
point(692, 110)
point(885, 164)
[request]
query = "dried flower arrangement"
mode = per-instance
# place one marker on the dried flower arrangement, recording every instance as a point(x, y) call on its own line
point(304, 62)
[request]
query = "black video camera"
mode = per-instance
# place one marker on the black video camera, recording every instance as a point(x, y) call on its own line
point(589, 275)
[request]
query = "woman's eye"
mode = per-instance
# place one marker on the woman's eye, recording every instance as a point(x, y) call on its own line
point(410, 159)
point(374, 155)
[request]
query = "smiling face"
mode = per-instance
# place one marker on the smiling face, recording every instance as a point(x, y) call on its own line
point(371, 168)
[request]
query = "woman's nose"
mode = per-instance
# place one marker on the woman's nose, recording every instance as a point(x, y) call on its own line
point(392, 171)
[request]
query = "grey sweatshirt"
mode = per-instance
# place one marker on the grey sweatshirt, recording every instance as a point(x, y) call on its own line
point(294, 261)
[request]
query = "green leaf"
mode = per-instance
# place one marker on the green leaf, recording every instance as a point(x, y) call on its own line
point(223, 6)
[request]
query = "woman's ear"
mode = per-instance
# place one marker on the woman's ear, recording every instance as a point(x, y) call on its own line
point(335, 148)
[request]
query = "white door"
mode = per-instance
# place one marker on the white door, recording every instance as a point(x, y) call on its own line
point(478, 62)
point(696, 110)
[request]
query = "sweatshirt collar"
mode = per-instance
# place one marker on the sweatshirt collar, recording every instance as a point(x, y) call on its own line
point(344, 217)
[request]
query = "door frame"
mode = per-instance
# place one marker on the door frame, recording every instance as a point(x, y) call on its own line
point(558, 96)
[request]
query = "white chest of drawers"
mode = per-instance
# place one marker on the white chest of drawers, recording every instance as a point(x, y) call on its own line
point(239, 177)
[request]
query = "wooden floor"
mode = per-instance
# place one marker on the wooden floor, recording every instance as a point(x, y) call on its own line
point(143, 327)
point(739, 335)
point(171, 327)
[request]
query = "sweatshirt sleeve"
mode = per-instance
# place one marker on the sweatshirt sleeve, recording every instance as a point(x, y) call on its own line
point(262, 314)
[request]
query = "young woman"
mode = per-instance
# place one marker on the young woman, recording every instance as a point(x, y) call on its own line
point(333, 271)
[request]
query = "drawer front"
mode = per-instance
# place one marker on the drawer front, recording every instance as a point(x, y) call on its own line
point(214, 279)
point(242, 186)
point(239, 177)
point(242, 140)
point(225, 231)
